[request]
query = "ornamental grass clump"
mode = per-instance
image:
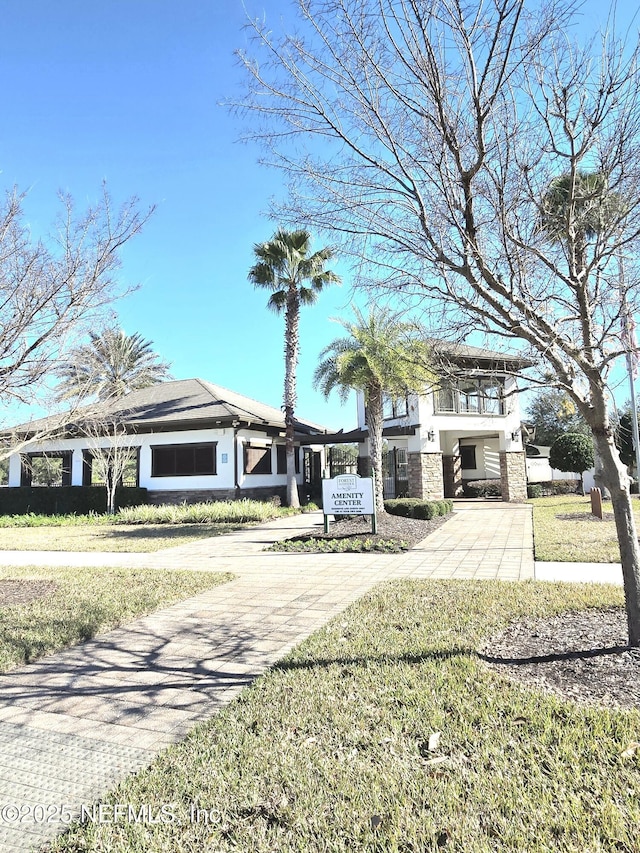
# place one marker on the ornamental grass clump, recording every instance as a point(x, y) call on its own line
point(212, 512)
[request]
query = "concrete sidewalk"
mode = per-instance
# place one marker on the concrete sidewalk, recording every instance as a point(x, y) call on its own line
point(74, 723)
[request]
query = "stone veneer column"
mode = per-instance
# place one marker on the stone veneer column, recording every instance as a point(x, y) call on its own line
point(425, 476)
point(513, 476)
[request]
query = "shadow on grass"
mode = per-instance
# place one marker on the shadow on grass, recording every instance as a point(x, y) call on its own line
point(554, 657)
point(165, 531)
point(190, 669)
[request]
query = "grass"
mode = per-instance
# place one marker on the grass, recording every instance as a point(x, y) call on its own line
point(141, 528)
point(336, 750)
point(107, 537)
point(86, 602)
point(576, 539)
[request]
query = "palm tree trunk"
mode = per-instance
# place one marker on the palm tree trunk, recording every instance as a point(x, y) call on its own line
point(292, 325)
point(375, 418)
point(616, 480)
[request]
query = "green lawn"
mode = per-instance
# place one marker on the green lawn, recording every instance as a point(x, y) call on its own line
point(333, 751)
point(564, 530)
point(108, 537)
point(140, 528)
point(86, 601)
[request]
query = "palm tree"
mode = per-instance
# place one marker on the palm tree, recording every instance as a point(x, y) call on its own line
point(578, 207)
point(285, 266)
point(380, 356)
point(111, 365)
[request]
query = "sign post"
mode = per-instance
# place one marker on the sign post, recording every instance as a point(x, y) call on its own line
point(348, 494)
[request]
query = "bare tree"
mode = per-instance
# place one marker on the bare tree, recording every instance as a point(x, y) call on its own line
point(48, 287)
point(109, 445)
point(443, 131)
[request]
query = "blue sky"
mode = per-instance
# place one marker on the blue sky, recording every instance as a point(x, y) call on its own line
point(129, 91)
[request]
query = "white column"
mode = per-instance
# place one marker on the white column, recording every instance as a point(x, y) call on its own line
point(15, 465)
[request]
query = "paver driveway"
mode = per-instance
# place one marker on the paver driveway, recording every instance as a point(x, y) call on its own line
point(74, 723)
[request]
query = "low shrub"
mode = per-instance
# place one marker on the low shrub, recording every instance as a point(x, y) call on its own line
point(358, 545)
point(555, 487)
point(426, 510)
point(401, 506)
point(534, 490)
point(482, 489)
point(416, 508)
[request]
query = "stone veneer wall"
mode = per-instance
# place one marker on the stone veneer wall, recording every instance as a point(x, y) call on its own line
point(513, 476)
point(260, 493)
point(425, 476)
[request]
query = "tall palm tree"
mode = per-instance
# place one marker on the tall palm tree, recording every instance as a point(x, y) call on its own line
point(285, 265)
point(111, 365)
point(380, 355)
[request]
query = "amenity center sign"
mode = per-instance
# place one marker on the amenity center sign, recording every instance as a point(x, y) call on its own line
point(348, 494)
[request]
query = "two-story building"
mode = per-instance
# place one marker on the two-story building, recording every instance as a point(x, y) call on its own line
point(466, 427)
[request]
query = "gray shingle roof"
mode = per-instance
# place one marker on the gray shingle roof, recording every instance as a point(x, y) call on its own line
point(464, 354)
point(187, 403)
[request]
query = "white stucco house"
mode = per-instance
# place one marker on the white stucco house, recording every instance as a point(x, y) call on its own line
point(189, 440)
point(466, 427)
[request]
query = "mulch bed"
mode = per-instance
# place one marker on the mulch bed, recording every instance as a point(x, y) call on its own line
point(24, 590)
point(581, 656)
point(409, 530)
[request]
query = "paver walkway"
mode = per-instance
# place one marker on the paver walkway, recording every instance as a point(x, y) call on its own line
point(74, 723)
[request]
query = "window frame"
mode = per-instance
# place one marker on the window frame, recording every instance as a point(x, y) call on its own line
point(268, 455)
point(399, 407)
point(26, 468)
point(281, 459)
point(183, 448)
point(468, 396)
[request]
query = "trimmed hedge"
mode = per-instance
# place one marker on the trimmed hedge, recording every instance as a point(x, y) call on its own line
point(555, 487)
point(65, 500)
point(482, 489)
point(416, 508)
point(534, 490)
point(402, 506)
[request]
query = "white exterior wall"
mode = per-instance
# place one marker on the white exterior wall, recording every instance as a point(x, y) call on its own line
point(258, 480)
point(223, 479)
point(539, 471)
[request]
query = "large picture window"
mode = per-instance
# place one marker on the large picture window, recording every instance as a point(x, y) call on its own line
point(257, 460)
point(183, 460)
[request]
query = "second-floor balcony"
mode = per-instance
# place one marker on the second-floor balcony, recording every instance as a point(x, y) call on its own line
point(471, 397)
